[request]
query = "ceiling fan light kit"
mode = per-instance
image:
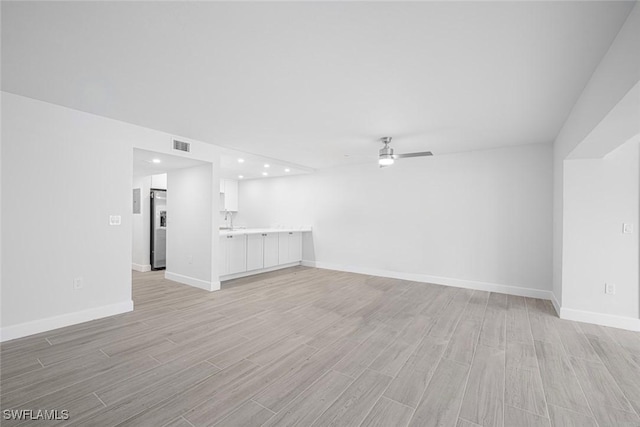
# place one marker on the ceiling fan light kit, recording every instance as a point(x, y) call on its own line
point(387, 158)
point(386, 153)
point(385, 161)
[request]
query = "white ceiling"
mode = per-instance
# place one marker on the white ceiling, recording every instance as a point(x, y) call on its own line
point(315, 83)
point(143, 164)
point(233, 165)
point(241, 165)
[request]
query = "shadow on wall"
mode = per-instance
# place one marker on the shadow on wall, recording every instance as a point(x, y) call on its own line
point(601, 268)
point(308, 248)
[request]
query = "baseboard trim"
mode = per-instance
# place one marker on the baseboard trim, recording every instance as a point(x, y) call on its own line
point(610, 320)
point(191, 281)
point(446, 281)
point(556, 304)
point(143, 268)
point(254, 272)
point(50, 323)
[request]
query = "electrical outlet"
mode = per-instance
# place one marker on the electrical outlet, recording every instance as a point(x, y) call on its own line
point(609, 289)
point(627, 228)
point(78, 283)
point(115, 220)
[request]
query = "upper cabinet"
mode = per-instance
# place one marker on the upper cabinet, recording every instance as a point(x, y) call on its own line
point(228, 195)
point(159, 181)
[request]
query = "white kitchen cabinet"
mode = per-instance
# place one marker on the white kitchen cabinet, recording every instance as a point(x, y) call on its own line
point(224, 256)
point(271, 255)
point(229, 195)
point(262, 251)
point(283, 248)
point(295, 246)
point(237, 250)
point(159, 181)
point(255, 251)
point(290, 247)
point(233, 254)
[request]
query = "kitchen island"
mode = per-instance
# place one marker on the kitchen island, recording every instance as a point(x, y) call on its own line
point(248, 251)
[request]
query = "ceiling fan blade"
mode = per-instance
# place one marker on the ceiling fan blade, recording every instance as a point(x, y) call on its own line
point(421, 154)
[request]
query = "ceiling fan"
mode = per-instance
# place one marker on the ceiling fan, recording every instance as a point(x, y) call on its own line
point(387, 158)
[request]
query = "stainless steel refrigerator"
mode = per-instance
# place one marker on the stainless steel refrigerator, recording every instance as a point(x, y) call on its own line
point(158, 229)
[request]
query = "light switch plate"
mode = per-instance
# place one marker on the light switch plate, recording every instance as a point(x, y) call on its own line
point(609, 289)
point(115, 220)
point(627, 228)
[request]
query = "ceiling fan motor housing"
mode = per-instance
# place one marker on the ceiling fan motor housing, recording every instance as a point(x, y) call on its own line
point(386, 151)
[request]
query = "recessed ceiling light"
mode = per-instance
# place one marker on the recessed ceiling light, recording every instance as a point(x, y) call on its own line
point(267, 165)
point(240, 176)
point(287, 170)
point(240, 160)
point(156, 160)
point(265, 173)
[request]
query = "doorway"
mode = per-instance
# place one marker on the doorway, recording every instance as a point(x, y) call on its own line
point(151, 212)
point(158, 231)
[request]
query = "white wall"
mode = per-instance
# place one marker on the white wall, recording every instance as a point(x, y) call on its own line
point(190, 194)
point(478, 219)
point(622, 204)
point(601, 195)
point(583, 218)
point(615, 76)
point(63, 173)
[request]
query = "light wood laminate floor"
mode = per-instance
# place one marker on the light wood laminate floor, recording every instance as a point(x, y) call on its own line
point(310, 347)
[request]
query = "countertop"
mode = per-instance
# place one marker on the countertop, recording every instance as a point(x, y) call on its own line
point(241, 231)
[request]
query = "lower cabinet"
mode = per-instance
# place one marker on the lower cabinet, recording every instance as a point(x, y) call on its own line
point(223, 259)
point(255, 252)
point(249, 252)
point(233, 254)
point(262, 251)
point(295, 246)
point(271, 258)
point(290, 247)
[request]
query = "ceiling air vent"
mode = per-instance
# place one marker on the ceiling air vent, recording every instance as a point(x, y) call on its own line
point(181, 145)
